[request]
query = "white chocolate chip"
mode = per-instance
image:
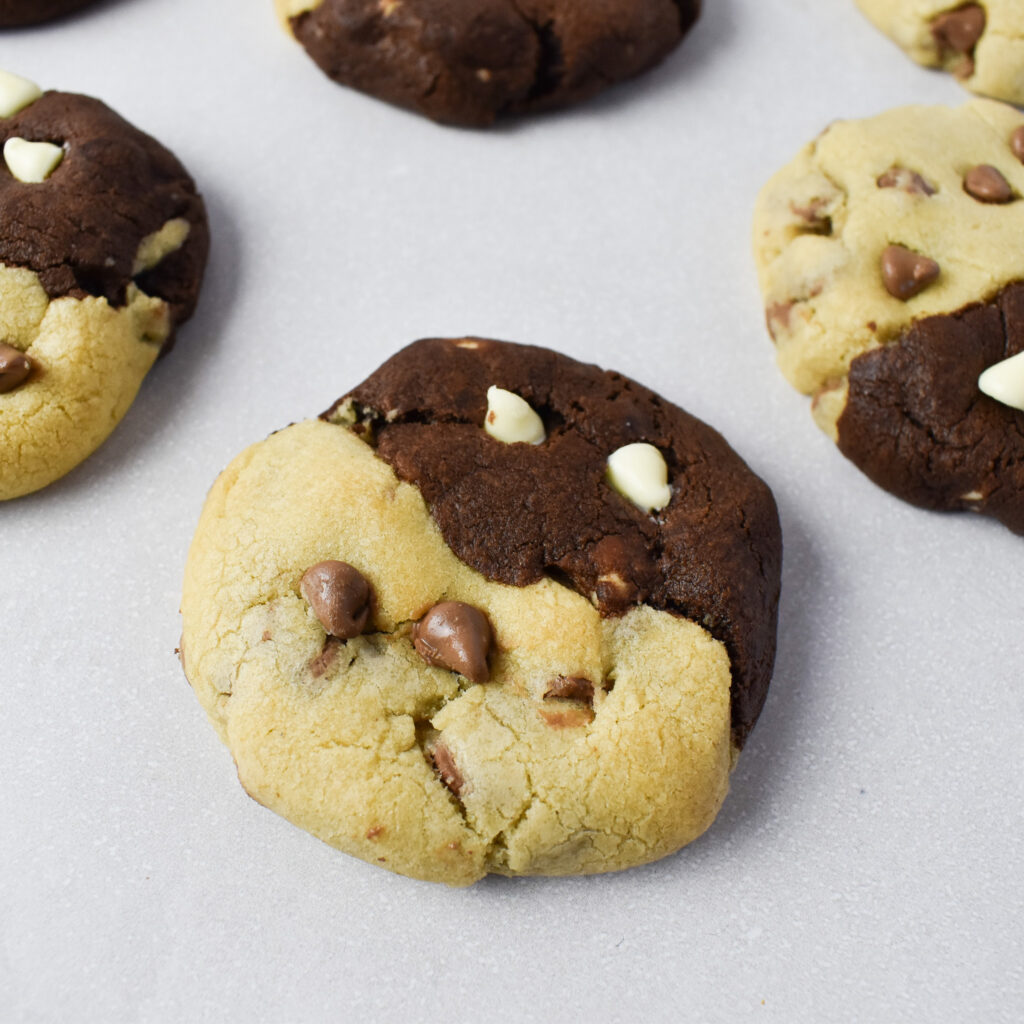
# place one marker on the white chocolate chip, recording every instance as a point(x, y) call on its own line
point(510, 419)
point(1005, 381)
point(16, 93)
point(638, 472)
point(156, 247)
point(32, 162)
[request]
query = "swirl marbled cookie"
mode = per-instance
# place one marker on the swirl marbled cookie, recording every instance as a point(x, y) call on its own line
point(891, 263)
point(495, 611)
point(982, 44)
point(30, 12)
point(103, 242)
point(470, 61)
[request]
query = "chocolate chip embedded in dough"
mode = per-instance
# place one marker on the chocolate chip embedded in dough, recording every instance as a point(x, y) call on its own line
point(906, 273)
point(15, 367)
point(1017, 143)
point(445, 765)
point(903, 178)
point(325, 660)
point(339, 596)
point(570, 688)
point(569, 718)
point(987, 185)
point(959, 31)
point(455, 635)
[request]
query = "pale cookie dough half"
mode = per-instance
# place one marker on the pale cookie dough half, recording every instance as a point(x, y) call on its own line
point(982, 44)
point(380, 690)
point(103, 243)
point(88, 360)
point(335, 736)
point(893, 234)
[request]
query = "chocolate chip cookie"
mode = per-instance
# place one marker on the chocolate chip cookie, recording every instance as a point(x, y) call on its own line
point(982, 44)
point(103, 241)
point(468, 62)
point(494, 611)
point(29, 12)
point(890, 260)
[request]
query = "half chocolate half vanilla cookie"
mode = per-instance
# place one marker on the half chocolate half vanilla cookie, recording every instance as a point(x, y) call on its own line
point(103, 243)
point(469, 62)
point(892, 269)
point(496, 610)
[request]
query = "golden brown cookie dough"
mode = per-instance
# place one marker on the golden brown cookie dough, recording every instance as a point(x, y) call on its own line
point(472, 726)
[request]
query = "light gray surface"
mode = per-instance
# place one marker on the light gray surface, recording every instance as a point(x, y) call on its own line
point(868, 863)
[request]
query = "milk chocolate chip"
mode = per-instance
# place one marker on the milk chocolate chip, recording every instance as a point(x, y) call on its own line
point(903, 178)
point(906, 273)
point(987, 185)
point(339, 596)
point(1017, 143)
point(457, 636)
point(14, 367)
point(445, 765)
point(570, 688)
point(959, 30)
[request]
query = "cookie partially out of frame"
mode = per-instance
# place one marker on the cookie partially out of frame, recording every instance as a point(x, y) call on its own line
point(29, 12)
point(441, 629)
point(892, 270)
point(982, 44)
point(103, 241)
point(470, 61)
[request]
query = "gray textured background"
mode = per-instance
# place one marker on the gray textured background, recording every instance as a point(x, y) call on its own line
point(868, 863)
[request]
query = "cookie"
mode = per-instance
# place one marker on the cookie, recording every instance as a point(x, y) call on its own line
point(981, 44)
point(468, 62)
point(103, 241)
point(29, 12)
point(494, 611)
point(892, 270)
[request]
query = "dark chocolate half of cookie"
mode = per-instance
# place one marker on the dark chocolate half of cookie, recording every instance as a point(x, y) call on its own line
point(80, 230)
point(917, 423)
point(471, 61)
point(30, 12)
point(519, 512)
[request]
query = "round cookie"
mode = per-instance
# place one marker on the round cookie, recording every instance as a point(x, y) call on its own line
point(468, 62)
point(892, 270)
point(451, 644)
point(982, 44)
point(103, 242)
point(29, 12)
